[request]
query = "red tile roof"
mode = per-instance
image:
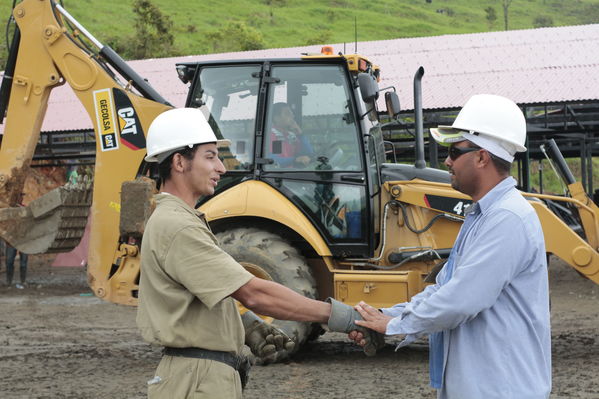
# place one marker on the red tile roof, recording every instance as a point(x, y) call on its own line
point(529, 66)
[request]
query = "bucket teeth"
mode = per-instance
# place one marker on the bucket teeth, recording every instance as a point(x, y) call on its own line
point(55, 222)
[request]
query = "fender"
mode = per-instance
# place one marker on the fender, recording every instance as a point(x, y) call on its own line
point(561, 241)
point(247, 199)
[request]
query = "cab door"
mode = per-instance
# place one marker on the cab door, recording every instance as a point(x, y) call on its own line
point(313, 152)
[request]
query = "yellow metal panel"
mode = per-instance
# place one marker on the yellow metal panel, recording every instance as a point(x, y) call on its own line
point(588, 211)
point(565, 243)
point(413, 191)
point(228, 205)
point(258, 199)
point(378, 290)
point(440, 235)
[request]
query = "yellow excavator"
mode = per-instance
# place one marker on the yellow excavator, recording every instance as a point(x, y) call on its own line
point(346, 224)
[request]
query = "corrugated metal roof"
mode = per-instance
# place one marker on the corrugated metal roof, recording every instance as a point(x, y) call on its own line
point(529, 66)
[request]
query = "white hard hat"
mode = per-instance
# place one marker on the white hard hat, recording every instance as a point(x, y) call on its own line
point(178, 128)
point(492, 122)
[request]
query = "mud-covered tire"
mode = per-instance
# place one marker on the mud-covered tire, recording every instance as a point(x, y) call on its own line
point(282, 264)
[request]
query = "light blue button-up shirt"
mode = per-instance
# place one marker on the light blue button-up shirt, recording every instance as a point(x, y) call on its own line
point(492, 308)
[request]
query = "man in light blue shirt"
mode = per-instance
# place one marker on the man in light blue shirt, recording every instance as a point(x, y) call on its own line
point(487, 316)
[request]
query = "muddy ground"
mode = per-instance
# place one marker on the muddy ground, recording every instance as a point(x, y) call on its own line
point(59, 341)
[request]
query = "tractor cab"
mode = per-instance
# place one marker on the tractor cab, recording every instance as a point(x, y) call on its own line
point(309, 128)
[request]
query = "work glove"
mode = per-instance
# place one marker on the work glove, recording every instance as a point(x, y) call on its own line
point(268, 343)
point(342, 319)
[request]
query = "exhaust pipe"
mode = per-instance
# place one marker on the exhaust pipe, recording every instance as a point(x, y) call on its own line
point(420, 162)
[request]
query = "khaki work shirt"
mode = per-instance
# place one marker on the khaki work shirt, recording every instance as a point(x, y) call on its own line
point(185, 282)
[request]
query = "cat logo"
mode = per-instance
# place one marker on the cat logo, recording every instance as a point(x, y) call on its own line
point(105, 119)
point(131, 132)
point(127, 121)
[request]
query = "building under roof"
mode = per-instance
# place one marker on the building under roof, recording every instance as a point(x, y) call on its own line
point(553, 73)
point(532, 66)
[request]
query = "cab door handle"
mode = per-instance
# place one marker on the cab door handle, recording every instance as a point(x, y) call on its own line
point(353, 178)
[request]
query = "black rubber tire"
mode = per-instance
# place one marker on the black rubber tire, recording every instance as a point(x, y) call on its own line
point(283, 264)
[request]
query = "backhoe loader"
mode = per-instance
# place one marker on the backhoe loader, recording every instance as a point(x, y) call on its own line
point(345, 224)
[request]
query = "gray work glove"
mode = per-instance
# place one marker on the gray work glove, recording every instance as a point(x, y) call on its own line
point(342, 319)
point(268, 343)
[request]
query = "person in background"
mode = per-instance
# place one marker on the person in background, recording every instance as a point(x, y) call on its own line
point(72, 175)
point(2, 252)
point(288, 146)
point(11, 254)
point(487, 316)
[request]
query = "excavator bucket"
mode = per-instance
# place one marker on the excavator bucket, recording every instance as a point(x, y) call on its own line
point(54, 222)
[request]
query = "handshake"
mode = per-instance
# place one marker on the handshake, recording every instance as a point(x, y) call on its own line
point(269, 344)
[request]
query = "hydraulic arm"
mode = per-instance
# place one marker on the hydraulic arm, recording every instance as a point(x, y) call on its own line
point(45, 54)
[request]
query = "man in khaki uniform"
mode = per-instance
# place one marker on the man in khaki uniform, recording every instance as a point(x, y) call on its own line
point(188, 284)
point(179, 236)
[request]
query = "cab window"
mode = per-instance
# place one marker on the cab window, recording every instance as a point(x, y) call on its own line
point(228, 96)
point(310, 123)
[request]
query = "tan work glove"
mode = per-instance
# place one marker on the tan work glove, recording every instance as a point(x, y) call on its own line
point(268, 343)
point(342, 319)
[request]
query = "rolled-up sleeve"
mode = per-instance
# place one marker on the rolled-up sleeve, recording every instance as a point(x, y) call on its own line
point(199, 264)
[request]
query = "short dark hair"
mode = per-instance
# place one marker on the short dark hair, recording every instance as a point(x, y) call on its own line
point(501, 165)
point(164, 168)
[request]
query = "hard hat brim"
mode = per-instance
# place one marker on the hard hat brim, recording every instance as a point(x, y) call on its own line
point(219, 144)
point(447, 135)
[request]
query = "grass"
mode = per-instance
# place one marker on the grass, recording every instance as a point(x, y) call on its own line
point(286, 23)
point(551, 183)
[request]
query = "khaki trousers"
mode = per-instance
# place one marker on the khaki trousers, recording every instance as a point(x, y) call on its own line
point(190, 378)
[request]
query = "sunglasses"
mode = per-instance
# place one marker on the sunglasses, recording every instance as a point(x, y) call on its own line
point(456, 152)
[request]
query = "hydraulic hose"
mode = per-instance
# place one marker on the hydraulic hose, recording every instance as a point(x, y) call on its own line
point(426, 251)
point(429, 224)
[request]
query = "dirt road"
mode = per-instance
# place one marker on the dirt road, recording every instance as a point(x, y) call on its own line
point(58, 341)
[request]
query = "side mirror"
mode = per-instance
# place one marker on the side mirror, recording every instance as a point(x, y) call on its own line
point(392, 102)
point(185, 73)
point(369, 88)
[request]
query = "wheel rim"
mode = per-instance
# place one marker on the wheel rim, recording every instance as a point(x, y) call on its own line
point(260, 273)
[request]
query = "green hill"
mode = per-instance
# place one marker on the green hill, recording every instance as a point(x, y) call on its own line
point(200, 26)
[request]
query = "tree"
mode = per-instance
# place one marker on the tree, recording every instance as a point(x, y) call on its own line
point(319, 37)
point(235, 36)
point(542, 21)
point(153, 37)
point(3, 55)
point(506, 4)
point(5, 44)
point(491, 15)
